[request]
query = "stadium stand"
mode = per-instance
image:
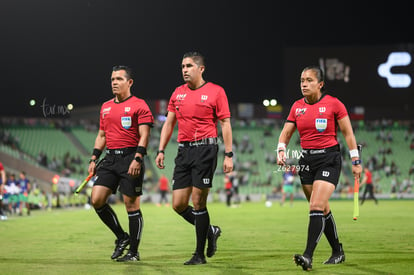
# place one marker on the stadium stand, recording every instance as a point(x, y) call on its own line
point(386, 149)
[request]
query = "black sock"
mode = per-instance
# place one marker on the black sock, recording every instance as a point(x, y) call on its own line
point(202, 225)
point(331, 233)
point(188, 215)
point(108, 216)
point(315, 230)
point(136, 224)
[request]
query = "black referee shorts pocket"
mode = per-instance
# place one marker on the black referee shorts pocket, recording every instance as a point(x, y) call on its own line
point(108, 160)
point(336, 159)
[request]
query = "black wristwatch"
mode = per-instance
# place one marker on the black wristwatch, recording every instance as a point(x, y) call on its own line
point(138, 159)
point(228, 154)
point(356, 162)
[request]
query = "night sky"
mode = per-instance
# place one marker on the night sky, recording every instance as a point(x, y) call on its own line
point(63, 51)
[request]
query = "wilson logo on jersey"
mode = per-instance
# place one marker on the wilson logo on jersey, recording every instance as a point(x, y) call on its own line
point(126, 122)
point(203, 98)
point(127, 109)
point(322, 109)
point(321, 124)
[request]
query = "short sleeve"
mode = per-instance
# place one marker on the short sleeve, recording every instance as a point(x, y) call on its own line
point(340, 110)
point(292, 115)
point(222, 105)
point(144, 114)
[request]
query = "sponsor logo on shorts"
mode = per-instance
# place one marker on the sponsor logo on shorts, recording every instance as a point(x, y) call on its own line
point(325, 173)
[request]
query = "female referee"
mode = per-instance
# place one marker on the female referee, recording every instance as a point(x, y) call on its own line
point(316, 116)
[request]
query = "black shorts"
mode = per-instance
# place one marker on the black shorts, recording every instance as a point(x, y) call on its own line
point(320, 165)
point(195, 166)
point(113, 173)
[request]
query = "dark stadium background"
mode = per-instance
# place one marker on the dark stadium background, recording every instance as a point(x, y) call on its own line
point(63, 51)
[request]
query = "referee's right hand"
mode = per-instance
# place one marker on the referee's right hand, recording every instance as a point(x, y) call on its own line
point(281, 158)
point(92, 168)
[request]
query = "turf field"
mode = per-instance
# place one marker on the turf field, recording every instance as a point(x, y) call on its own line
point(255, 240)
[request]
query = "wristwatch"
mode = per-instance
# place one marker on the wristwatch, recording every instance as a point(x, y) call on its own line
point(138, 159)
point(356, 162)
point(228, 154)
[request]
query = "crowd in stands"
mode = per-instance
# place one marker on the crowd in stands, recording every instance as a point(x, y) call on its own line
point(383, 160)
point(66, 166)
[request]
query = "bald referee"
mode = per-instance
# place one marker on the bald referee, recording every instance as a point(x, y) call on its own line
point(124, 130)
point(198, 106)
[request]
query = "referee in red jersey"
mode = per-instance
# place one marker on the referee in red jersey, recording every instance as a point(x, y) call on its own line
point(198, 106)
point(316, 117)
point(124, 130)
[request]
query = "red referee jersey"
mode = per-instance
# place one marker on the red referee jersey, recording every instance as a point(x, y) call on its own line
point(120, 121)
point(368, 174)
point(316, 123)
point(163, 183)
point(197, 111)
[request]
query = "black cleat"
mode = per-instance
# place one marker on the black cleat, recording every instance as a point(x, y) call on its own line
point(212, 237)
point(196, 259)
point(129, 257)
point(120, 245)
point(303, 261)
point(337, 257)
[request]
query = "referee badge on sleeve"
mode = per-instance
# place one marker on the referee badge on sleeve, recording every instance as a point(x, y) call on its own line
point(126, 122)
point(321, 124)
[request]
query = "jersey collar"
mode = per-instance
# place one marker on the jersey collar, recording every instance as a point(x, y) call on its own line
point(322, 96)
point(122, 100)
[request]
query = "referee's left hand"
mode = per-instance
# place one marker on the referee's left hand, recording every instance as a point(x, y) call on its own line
point(227, 165)
point(356, 171)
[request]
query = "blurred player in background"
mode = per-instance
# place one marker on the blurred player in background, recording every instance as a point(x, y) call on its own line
point(228, 188)
point(369, 186)
point(163, 189)
point(287, 189)
point(2, 186)
point(24, 185)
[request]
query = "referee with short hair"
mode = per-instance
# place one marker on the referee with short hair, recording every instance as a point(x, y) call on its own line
point(198, 106)
point(124, 130)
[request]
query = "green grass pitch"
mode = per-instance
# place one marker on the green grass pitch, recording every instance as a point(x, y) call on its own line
point(255, 240)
